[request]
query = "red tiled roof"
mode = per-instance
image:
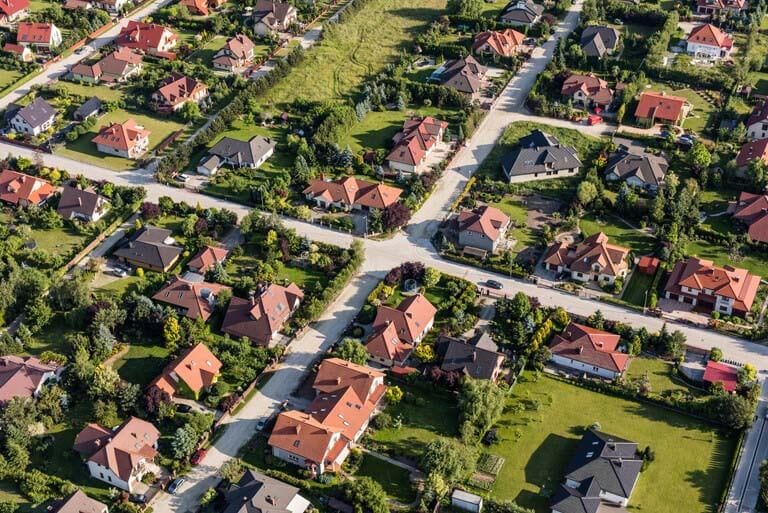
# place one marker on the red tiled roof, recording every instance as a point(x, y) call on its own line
point(240, 46)
point(11, 7)
point(416, 139)
point(342, 410)
point(648, 265)
point(144, 36)
point(752, 210)
point(759, 114)
point(353, 191)
point(591, 86)
point(384, 343)
point(197, 367)
point(122, 136)
point(263, 315)
point(486, 220)
point(595, 249)
point(301, 434)
point(502, 42)
point(20, 377)
point(178, 89)
point(711, 36)
point(717, 372)
point(196, 298)
point(207, 258)
point(722, 4)
point(730, 282)
point(18, 188)
point(14, 48)
point(660, 106)
point(410, 318)
point(591, 346)
point(335, 374)
point(196, 6)
point(87, 70)
point(751, 151)
point(34, 33)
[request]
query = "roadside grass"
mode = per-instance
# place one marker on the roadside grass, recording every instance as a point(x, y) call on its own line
point(618, 233)
point(351, 51)
point(635, 290)
point(659, 374)
point(692, 458)
point(84, 150)
point(9, 76)
point(141, 363)
point(392, 478)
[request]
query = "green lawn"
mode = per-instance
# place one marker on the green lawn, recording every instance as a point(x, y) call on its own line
point(521, 232)
point(119, 287)
point(719, 255)
point(426, 413)
point(692, 459)
point(204, 55)
point(52, 338)
point(354, 50)
point(84, 150)
point(8, 77)
point(759, 80)
point(306, 279)
point(659, 373)
point(635, 290)
point(618, 233)
point(104, 93)
point(9, 493)
point(394, 479)
point(61, 241)
point(142, 363)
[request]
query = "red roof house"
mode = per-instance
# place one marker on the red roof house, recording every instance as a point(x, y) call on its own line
point(24, 377)
point(196, 7)
point(414, 144)
point(176, 90)
point(715, 6)
point(350, 192)
point(483, 227)
point(752, 210)
point(661, 107)
point(23, 190)
point(148, 38)
point(40, 35)
point(413, 318)
point(196, 369)
point(207, 258)
point(193, 299)
point(751, 151)
point(128, 139)
point(505, 43)
point(13, 10)
point(262, 316)
point(709, 41)
point(717, 372)
point(587, 90)
point(648, 265)
point(589, 350)
point(385, 346)
point(593, 259)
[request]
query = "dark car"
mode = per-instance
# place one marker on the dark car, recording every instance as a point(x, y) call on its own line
point(494, 284)
point(198, 456)
point(175, 485)
point(183, 408)
point(138, 498)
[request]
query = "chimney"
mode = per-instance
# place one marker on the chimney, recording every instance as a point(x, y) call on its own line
point(619, 462)
point(79, 201)
point(271, 500)
point(581, 349)
point(338, 380)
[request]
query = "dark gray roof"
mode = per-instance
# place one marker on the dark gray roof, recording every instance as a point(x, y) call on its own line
point(473, 360)
point(523, 12)
point(148, 247)
point(242, 153)
point(37, 112)
point(257, 493)
point(596, 40)
point(649, 169)
point(464, 75)
point(77, 201)
point(91, 106)
point(584, 499)
point(539, 152)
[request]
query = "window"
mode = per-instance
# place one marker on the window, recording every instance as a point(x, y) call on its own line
point(595, 369)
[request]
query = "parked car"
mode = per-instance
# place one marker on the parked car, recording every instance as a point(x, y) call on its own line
point(494, 284)
point(138, 498)
point(181, 178)
point(120, 273)
point(284, 405)
point(198, 456)
point(183, 408)
point(175, 485)
point(260, 424)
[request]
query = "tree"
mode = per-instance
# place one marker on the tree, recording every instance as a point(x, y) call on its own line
point(733, 411)
point(154, 399)
point(190, 111)
point(698, 156)
point(302, 173)
point(37, 314)
point(747, 374)
point(449, 459)
point(184, 441)
point(149, 210)
point(172, 333)
point(394, 395)
point(425, 353)
point(596, 320)
point(352, 350)
point(715, 354)
point(586, 193)
point(519, 307)
point(481, 403)
point(66, 295)
point(395, 216)
point(231, 470)
point(431, 277)
point(367, 496)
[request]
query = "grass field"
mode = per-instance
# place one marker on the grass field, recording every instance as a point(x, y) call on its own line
point(354, 50)
point(394, 479)
point(8, 77)
point(635, 290)
point(522, 233)
point(52, 338)
point(618, 233)
point(59, 241)
point(692, 459)
point(84, 150)
point(119, 287)
point(659, 374)
point(85, 90)
point(142, 363)
point(9, 494)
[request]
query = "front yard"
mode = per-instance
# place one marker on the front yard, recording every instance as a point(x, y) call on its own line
point(692, 458)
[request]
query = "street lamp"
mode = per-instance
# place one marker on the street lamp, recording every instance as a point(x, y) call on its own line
point(645, 300)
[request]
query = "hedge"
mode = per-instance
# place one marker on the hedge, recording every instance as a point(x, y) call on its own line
point(488, 266)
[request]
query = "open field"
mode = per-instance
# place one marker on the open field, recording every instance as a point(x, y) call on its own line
point(692, 459)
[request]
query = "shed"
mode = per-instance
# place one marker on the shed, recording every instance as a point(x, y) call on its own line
point(466, 501)
point(91, 107)
point(648, 265)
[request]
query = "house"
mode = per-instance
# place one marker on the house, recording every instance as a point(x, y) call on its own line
point(709, 42)
point(661, 108)
point(91, 107)
point(396, 331)
point(709, 288)
point(21, 52)
point(415, 143)
point(261, 317)
point(483, 228)
point(88, 73)
point(478, 357)
point(319, 440)
point(236, 54)
point(196, 7)
point(641, 170)
point(191, 298)
point(111, 6)
point(83, 204)
point(715, 7)
point(270, 17)
point(32, 119)
point(752, 150)
point(466, 501)
point(73, 5)
point(503, 43)
point(757, 124)
point(147, 38)
point(235, 153)
point(752, 210)
point(540, 156)
point(150, 248)
point(351, 193)
point(257, 493)
point(176, 90)
point(722, 373)
point(128, 139)
point(589, 350)
point(121, 456)
point(78, 502)
point(601, 476)
point(25, 377)
point(598, 41)
point(587, 91)
point(120, 65)
point(22, 190)
point(196, 369)
point(465, 75)
point(41, 36)
point(592, 259)
point(207, 258)
point(12, 11)
point(521, 13)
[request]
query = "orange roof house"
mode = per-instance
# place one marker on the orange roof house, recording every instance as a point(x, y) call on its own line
point(196, 369)
point(193, 299)
point(126, 139)
point(350, 192)
point(176, 90)
point(752, 150)
point(710, 36)
point(752, 210)
point(661, 107)
point(414, 143)
point(727, 290)
point(24, 377)
point(122, 456)
point(12, 10)
point(207, 258)
point(306, 441)
point(335, 374)
point(148, 38)
point(196, 7)
point(40, 35)
point(398, 330)
point(262, 316)
point(483, 227)
point(505, 43)
point(589, 350)
point(120, 65)
point(385, 345)
point(23, 190)
point(593, 259)
point(587, 90)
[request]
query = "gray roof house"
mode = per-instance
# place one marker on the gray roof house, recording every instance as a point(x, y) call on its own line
point(257, 493)
point(91, 107)
point(236, 153)
point(540, 156)
point(477, 357)
point(604, 469)
point(598, 41)
point(83, 204)
point(521, 13)
point(641, 170)
point(32, 119)
point(151, 248)
point(465, 75)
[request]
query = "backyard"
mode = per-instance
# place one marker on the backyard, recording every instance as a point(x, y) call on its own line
point(635, 291)
point(702, 111)
point(394, 479)
point(689, 472)
point(618, 232)
point(659, 374)
point(141, 363)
